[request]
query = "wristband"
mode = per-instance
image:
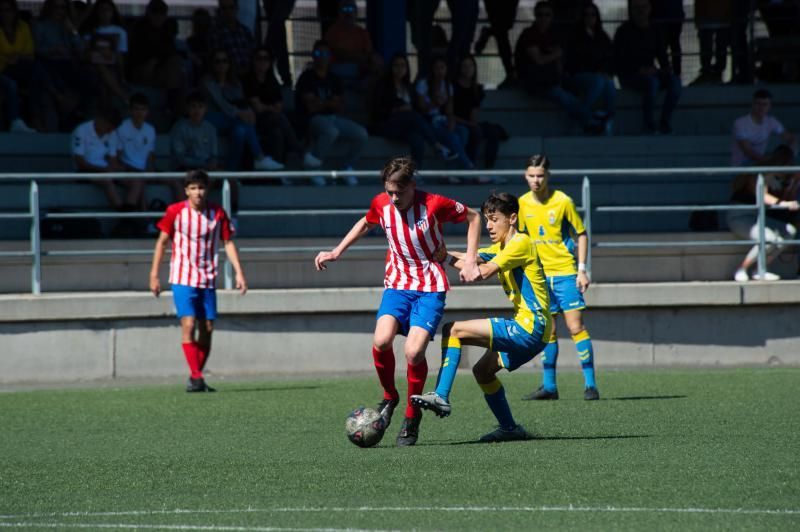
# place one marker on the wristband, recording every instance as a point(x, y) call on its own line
point(582, 267)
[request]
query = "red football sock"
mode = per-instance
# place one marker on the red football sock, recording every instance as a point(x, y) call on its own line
point(384, 365)
point(192, 355)
point(203, 351)
point(416, 383)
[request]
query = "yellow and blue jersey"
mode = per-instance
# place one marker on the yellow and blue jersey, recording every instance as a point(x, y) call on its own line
point(522, 277)
point(551, 226)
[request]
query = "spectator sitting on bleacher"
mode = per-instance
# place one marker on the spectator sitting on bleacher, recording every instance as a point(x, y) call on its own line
point(394, 117)
point(434, 99)
point(232, 36)
point(233, 117)
point(468, 95)
point(108, 44)
point(193, 142)
point(10, 100)
point(637, 46)
point(137, 138)
point(354, 60)
point(198, 43)
point(780, 224)
point(752, 131)
point(319, 102)
point(590, 66)
point(266, 98)
point(539, 61)
point(95, 149)
point(153, 59)
point(17, 60)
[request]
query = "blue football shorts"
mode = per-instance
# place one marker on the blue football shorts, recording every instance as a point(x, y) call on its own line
point(412, 308)
point(198, 302)
point(515, 345)
point(564, 294)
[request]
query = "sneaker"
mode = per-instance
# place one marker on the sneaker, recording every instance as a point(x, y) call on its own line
point(665, 128)
point(541, 395)
point(409, 431)
point(19, 126)
point(198, 385)
point(318, 181)
point(500, 434)
point(386, 409)
point(768, 276)
point(446, 153)
point(591, 394)
point(433, 402)
point(741, 276)
point(267, 163)
point(349, 180)
point(309, 161)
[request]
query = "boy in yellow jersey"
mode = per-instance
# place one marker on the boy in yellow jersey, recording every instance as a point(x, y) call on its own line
point(511, 342)
point(550, 218)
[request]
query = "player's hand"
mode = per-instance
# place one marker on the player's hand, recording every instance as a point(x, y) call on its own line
point(582, 282)
point(241, 283)
point(322, 258)
point(155, 285)
point(470, 272)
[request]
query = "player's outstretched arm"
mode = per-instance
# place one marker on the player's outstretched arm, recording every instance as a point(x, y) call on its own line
point(359, 229)
point(233, 256)
point(158, 254)
point(470, 272)
point(582, 282)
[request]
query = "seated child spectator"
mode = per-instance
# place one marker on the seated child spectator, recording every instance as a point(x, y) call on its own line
point(197, 43)
point(637, 47)
point(781, 191)
point(394, 116)
point(193, 141)
point(108, 44)
point(467, 97)
point(266, 98)
point(354, 60)
point(137, 138)
point(319, 101)
point(230, 113)
point(751, 132)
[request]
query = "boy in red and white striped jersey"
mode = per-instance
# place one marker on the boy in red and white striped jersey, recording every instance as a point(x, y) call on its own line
point(415, 281)
point(195, 227)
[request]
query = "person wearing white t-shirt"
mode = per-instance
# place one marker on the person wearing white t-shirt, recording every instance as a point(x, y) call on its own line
point(136, 138)
point(751, 133)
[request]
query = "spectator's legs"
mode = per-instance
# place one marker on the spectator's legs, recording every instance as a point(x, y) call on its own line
point(570, 103)
point(239, 134)
point(501, 15)
point(10, 98)
point(471, 140)
point(672, 32)
point(453, 142)
point(491, 135)
point(722, 40)
point(277, 12)
point(673, 87)
point(740, 48)
point(403, 127)
point(590, 86)
point(356, 136)
point(647, 86)
point(327, 10)
point(464, 18)
point(420, 14)
point(322, 132)
point(280, 137)
point(705, 38)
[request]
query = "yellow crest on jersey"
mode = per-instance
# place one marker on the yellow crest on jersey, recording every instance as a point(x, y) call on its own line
point(551, 217)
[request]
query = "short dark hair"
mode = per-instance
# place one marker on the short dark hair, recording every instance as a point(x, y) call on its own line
point(196, 97)
point(538, 160)
point(400, 169)
point(762, 94)
point(110, 115)
point(501, 202)
point(320, 43)
point(199, 177)
point(542, 4)
point(139, 98)
point(158, 7)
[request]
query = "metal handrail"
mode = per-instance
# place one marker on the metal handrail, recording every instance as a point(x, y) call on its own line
point(586, 208)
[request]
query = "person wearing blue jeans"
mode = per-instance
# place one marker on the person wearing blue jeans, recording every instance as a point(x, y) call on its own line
point(324, 130)
point(8, 88)
point(649, 84)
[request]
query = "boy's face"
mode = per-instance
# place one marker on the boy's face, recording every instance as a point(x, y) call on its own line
point(196, 112)
point(103, 126)
point(761, 107)
point(499, 225)
point(536, 176)
point(401, 194)
point(196, 194)
point(139, 113)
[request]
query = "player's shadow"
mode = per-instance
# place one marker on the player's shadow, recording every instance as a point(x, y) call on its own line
point(646, 397)
point(546, 438)
point(268, 389)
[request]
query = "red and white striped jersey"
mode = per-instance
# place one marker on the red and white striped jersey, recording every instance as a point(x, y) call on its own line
point(414, 235)
point(195, 235)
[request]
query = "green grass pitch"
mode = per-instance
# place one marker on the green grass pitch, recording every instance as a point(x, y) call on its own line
point(662, 450)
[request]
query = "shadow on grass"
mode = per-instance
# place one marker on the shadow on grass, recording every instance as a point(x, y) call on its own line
point(267, 389)
point(647, 397)
point(541, 438)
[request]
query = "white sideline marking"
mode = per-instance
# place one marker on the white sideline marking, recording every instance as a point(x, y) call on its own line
point(569, 508)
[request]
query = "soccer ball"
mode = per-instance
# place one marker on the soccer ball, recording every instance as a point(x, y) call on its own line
point(365, 427)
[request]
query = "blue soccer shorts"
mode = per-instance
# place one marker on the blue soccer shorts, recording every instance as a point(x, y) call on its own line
point(564, 294)
point(515, 345)
point(413, 309)
point(198, 302)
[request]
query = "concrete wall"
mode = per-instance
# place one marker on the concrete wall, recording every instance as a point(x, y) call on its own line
point(79, 337)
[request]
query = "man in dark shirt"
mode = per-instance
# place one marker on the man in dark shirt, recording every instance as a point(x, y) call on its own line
point(637, 47)
point(232, 36)
point(319, 101)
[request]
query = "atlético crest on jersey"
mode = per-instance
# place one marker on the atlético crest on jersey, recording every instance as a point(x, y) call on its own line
point(422, 224)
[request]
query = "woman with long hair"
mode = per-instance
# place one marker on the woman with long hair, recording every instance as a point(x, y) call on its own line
point(108, 45)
